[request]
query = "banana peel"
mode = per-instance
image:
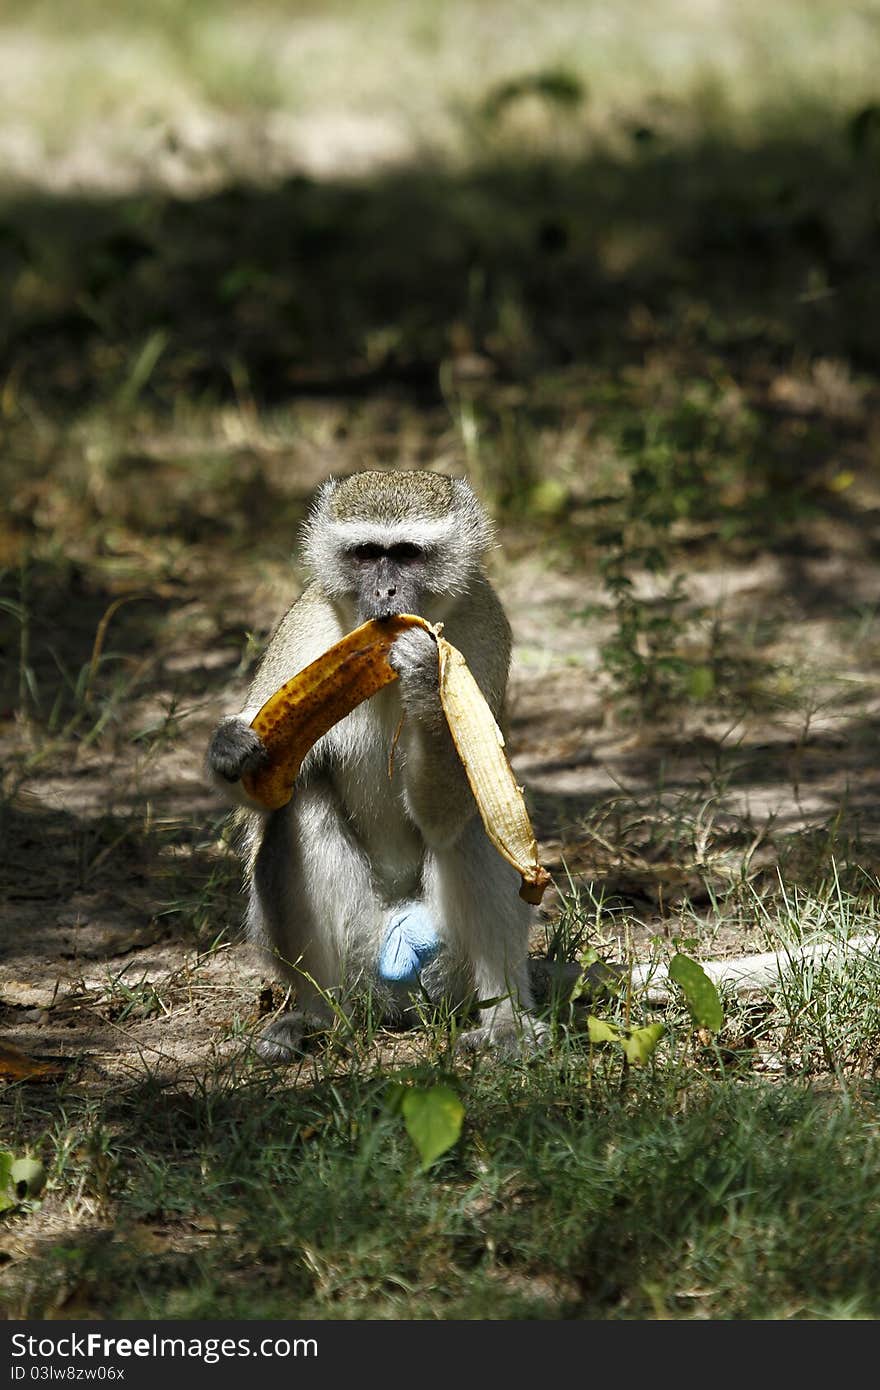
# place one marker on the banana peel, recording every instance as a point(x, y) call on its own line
point(303, 709)
point(355, 668)
point(480, 745)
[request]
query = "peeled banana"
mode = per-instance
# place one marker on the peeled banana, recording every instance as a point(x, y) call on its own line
point(352, 670)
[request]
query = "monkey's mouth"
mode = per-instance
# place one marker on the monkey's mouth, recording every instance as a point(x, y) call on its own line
point(389, 605)
point(380, 611)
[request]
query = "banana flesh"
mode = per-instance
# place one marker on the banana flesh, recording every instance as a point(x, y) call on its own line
point(306, 707)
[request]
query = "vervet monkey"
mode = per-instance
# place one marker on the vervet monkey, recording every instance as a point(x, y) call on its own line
point(368, 877)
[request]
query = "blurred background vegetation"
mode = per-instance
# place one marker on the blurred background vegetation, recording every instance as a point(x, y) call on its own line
point(618, 262)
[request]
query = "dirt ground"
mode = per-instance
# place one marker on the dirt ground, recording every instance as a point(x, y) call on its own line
point(121, 948)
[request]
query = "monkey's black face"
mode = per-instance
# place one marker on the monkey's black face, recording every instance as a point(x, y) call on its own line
point(388, 579)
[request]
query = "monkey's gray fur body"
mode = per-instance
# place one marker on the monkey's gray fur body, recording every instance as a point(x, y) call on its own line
point(328, 871)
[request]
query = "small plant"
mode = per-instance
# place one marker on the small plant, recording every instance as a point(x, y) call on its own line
point(827, 1001)
point(699, 992)
point(683, 463)
point(641, 655)
point(638, 1044)
point(433, 1116)
point(21, 1179)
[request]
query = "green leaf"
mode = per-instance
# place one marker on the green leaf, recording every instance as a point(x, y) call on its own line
point(642, 1042)
point(701, 682)
point(433, 1120)
point(143, 367)
point(7, 1198)
point(19, 1178)
point(601, 1032)
point(699, 992)
point(685, 943)
point(27, 1176)
point(596, 978)
point(549, 497)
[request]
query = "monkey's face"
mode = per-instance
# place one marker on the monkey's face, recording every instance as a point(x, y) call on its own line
point(385, 543)
point(388, 579)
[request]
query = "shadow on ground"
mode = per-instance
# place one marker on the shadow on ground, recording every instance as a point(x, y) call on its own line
point(534, 290)
point(309, 286)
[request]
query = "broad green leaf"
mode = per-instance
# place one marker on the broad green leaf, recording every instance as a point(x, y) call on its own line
point(433, 1120)
point(26, 1177)
point(641, 1043)
point(701, 682)
point(548, 497)
point(699, 992)
point(601, 1032)
point(587, 958)
point(7, 1195)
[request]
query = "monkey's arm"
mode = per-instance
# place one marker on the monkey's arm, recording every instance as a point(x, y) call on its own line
point(438, 795)
point(307, 629)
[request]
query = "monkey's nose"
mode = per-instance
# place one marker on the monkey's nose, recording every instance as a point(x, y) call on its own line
point(386, 593)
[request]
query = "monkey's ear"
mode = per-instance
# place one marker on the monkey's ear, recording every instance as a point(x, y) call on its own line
point(474, 518)
point(313, 533)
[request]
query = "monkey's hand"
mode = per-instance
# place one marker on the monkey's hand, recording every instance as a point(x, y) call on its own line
point(235, 748)
point(414, 657)
point(438, 796)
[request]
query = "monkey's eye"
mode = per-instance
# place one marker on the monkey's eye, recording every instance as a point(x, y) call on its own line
point(405, 553)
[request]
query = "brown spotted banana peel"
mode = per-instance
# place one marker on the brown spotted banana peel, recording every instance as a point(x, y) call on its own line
point(353, 669)
point(305, 707)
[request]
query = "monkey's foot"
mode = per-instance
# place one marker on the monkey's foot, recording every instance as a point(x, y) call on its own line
point(511, 1040)
point(282, 1042)
point(411, 943)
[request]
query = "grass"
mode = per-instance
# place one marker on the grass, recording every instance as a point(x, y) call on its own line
point(620, 268)
point(733, 1176)
point(688, 1188)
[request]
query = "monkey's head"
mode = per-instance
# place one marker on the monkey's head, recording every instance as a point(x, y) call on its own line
point(396, 542)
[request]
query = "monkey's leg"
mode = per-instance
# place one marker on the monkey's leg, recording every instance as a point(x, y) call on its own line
point(313, 909)
point(472, 894)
